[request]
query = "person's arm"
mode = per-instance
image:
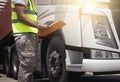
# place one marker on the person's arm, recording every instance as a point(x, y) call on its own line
point(20, 10)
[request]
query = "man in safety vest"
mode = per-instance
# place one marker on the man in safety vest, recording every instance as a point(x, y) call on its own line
point(25, 26)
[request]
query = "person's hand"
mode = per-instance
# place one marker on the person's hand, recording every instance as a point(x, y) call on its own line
point(43, 27)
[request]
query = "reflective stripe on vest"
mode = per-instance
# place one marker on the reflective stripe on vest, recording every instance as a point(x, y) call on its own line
point(19, 27)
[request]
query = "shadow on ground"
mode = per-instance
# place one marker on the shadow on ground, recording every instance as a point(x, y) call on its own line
point(41, 80)
point(108, 78)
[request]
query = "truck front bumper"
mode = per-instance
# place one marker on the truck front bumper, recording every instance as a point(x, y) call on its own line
point(95, 65)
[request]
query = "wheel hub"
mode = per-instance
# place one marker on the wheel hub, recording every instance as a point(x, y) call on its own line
point(54, 64)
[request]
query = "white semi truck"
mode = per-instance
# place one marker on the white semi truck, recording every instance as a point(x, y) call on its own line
point(89, 42)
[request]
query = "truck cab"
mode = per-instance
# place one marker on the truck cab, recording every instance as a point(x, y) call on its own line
point(89, 42)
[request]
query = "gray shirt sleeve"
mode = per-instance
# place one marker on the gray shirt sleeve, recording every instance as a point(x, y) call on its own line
point(23, 2)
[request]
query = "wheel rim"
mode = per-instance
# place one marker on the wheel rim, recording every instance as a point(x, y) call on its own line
point(55, 64)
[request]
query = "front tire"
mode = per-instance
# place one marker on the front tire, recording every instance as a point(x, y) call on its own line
point(55, 60)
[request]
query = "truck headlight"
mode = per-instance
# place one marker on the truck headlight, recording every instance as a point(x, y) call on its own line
point(102, 31)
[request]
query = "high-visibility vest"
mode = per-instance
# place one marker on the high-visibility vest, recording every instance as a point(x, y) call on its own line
point(31, 12)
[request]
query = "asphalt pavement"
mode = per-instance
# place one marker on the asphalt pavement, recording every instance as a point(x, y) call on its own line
point(84, 78)
point(3, 78)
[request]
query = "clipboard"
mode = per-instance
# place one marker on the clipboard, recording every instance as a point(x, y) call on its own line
point(53, 27)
